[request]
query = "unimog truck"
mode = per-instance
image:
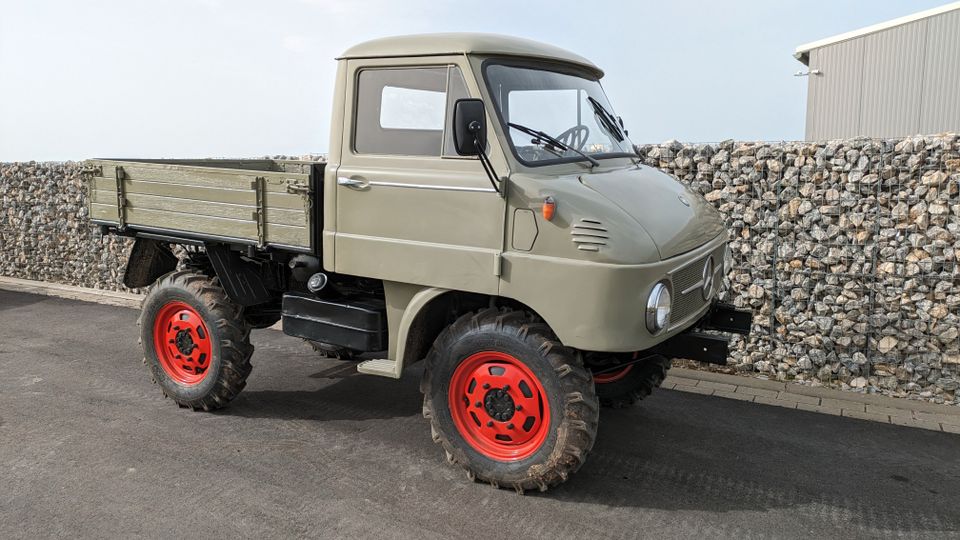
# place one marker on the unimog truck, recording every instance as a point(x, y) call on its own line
point(482, 211)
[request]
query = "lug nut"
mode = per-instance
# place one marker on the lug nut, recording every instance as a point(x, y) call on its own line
point(519, 407)
point(506, 387)
point(490, 423)
point(479, 404)
point(509, 426)
point(486, 386)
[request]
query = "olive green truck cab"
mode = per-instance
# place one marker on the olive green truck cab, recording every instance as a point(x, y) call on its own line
point(482, 210)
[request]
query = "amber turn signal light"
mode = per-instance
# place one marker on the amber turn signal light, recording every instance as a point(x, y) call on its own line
point(549, 208)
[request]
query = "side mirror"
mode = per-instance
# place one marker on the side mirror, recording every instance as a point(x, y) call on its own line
point(469, 125)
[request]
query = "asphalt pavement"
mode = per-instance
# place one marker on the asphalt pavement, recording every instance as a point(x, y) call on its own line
point(90, 448)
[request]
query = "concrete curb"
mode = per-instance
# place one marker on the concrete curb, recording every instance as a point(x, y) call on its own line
point(84, 294)
point(99, 296)
point(877, 408)
point(873, 407)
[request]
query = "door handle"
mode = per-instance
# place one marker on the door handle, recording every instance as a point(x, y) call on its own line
point(352, 182)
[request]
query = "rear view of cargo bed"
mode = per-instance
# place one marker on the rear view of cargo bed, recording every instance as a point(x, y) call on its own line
point(262, 203)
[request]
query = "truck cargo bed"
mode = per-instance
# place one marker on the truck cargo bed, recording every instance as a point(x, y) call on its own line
point(263, 203)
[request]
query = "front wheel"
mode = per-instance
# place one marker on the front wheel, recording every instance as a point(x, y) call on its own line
point(194, 341)
point(508, 402)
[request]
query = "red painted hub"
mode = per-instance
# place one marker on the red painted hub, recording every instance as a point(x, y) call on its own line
point(182, 343)
point(499, 406)
point(612, 376)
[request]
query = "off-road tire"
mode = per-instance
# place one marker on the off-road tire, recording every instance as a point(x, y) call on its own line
point(635, 385)
point(229, 339)
point(567, 385)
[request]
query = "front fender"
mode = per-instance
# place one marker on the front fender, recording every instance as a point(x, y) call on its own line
point(413, 323)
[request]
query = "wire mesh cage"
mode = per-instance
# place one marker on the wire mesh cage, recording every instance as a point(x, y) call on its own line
point(846, 251)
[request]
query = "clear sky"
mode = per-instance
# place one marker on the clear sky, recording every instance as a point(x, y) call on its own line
point(238, 78)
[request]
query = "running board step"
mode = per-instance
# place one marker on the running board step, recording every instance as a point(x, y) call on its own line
point(381, 367)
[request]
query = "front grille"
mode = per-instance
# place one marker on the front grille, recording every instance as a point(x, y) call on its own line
point(685, 305)
point(688, 276)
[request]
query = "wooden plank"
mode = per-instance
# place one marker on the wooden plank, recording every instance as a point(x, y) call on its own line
point(103, 196)
point(203, 176)
point(291, 218)
point(229, 196)
point(214, 163)
point(186, 206)
point(275, 165)
point(190, 223)
point(291, 236)
point(104, 212)
point(287, 201)
point(296, 218)
point(103, 184)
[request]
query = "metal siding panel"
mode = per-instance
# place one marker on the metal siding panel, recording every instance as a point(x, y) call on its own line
point(833, 109)
point(940, 105)
point(892, 80)
point(811, 129)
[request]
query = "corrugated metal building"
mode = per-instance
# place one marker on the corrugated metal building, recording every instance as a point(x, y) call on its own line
point(893, 79)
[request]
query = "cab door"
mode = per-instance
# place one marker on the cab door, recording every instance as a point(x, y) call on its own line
point(408, 209)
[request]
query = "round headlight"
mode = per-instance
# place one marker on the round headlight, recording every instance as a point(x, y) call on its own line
point(658, 308)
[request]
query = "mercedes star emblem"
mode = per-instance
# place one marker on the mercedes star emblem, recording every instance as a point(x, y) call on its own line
point(707, 278)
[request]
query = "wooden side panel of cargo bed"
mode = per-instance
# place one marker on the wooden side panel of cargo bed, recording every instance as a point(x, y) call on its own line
point(204, 201)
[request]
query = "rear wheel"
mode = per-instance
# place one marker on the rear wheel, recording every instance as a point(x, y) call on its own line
point(508, 402)
point(625, 386)
point(194, 341)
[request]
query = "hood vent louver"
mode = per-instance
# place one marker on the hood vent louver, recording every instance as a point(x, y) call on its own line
point(589, 234)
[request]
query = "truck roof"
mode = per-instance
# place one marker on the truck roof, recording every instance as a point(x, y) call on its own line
point(464, 43)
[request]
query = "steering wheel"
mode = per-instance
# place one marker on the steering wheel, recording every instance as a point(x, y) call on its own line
point(575, 137)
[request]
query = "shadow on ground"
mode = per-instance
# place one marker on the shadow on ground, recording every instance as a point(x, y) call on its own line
point(310, 450)
point(680, 451)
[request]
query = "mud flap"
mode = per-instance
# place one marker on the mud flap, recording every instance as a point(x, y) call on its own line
point(244, 280)
point(149, 260)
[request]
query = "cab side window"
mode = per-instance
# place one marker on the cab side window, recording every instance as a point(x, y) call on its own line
point(407, 111)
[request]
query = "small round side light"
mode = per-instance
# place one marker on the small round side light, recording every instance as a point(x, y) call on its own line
point(549, 208)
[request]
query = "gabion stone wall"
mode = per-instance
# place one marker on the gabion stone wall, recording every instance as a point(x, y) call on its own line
point(846, 251)
point(44, 229)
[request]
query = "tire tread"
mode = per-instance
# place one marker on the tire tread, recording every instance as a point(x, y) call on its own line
point(578, 430)
point(651, 374)
point(234, 336)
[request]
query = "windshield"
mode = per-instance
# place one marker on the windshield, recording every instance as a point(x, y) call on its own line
point(569, 108)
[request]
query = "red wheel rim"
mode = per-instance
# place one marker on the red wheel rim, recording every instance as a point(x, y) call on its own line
point(499, 406)
point(182, 343)
point(612, 376)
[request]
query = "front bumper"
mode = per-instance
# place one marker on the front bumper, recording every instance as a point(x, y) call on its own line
point(711, 348)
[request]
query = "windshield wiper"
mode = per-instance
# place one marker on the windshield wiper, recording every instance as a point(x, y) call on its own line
point(607, 119)
point(552, 141)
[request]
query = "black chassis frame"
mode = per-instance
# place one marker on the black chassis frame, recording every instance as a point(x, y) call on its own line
point(701, 342)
